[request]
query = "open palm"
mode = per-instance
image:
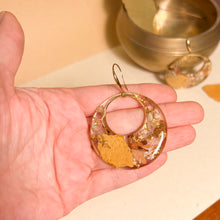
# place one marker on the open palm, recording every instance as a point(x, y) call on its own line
point(47, 164)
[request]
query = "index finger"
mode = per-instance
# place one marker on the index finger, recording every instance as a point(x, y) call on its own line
point(89, 98)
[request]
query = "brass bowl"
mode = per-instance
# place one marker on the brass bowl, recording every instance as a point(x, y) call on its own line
point(174, 22)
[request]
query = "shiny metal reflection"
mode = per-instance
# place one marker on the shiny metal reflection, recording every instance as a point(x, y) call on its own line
point(158, 43)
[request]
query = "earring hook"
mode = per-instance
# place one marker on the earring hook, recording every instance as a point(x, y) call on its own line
point(188, 46)
point(122, 87)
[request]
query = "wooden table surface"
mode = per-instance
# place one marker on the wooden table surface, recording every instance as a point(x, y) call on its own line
point(211, 213)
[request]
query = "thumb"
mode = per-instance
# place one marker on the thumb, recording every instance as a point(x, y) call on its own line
point(11, 50)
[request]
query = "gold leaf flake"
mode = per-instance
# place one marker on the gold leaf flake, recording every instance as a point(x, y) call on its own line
point(213, 91)
point(115, 151)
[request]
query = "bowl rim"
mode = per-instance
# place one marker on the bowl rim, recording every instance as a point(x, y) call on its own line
point(144, 37)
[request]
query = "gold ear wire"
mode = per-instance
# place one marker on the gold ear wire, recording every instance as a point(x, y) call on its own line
point(188, 46)
point(121, 87)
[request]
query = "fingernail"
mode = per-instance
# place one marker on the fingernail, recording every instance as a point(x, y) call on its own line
point(2, 15)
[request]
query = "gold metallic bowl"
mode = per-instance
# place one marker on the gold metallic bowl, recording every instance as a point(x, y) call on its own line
point(175, 21)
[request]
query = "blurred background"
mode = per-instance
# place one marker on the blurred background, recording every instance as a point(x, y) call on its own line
point(60, 33)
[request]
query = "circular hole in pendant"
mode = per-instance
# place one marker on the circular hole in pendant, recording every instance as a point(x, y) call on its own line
point(126, 120)
point(191, 64)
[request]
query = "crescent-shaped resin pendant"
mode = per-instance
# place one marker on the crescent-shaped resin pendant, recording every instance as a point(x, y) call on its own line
point(133, 150)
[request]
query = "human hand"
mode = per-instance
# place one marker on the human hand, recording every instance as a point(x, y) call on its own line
point(47, 164)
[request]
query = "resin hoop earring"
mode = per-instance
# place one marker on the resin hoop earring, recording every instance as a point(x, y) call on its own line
point(133, 150)
point(181, 74)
